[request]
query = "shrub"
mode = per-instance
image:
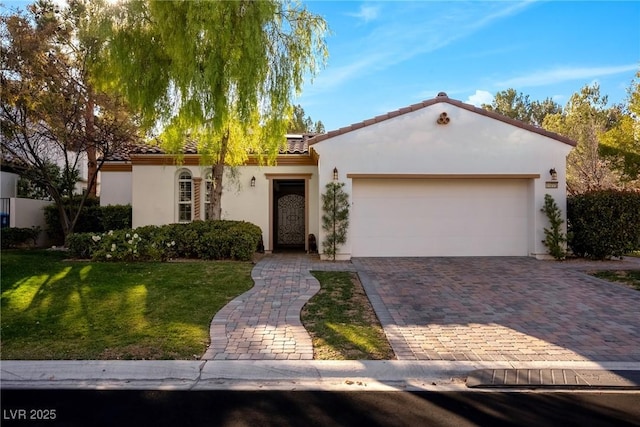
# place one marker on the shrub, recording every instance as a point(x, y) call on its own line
point(554, 238)
point(120, 245)
point(16, 237)
point(335, 218)
point(93, 218)
point(604, 224)
point(83, 245)
point(115, 217)
point(199, 239)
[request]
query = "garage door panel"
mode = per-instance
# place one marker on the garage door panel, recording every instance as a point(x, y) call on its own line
point(439, 217)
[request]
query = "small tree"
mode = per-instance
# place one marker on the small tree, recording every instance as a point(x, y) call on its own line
point(554, 238)
point(335, 220)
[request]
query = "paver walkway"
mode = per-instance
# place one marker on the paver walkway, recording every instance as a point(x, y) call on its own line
point(264, 322)
point(504, 309)
point(457, 309)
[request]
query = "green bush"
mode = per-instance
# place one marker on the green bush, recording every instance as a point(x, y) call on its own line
point(115, 217)
point(122, 245)
point(83, 245)
point(17, 237)
point(604, 224)
point(199, 239)
point(93, 218)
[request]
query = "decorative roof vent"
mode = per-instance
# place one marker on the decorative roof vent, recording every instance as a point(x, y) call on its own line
point(443, 119)
point(442, 95)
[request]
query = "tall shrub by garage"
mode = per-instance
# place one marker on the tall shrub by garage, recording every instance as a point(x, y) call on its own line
point(554, 237)
point(335, 218)
point(604, 224)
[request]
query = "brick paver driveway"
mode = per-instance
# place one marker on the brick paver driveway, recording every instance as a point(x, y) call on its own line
point(507, 309)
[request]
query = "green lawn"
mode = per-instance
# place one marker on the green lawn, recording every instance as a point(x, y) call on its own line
point(57, 309)
point(341, 321)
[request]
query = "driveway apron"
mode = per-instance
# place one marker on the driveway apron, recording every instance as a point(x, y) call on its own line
point(502, 309)
point(264, 322)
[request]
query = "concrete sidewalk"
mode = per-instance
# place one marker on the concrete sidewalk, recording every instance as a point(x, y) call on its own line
point(273, 375)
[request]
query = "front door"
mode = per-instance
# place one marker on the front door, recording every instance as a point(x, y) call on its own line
point(289, 215)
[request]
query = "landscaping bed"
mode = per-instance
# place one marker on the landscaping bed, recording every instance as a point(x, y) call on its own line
point(341, 321)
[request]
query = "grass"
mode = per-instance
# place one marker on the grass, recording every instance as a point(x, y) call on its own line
point(342, 322)
point(57, 309)
point(630, 278)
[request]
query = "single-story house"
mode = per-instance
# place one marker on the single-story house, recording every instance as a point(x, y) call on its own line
point(438, 178)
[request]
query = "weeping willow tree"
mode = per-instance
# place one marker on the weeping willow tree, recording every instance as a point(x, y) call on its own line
point(219, 73)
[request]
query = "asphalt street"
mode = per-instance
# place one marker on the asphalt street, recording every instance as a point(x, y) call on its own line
point(316, 408)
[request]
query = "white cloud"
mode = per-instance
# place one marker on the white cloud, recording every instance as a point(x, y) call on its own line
point(479, 98)
point(560, 75)
point(366, 13)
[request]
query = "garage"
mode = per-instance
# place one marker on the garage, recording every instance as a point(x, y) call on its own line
point(443, 178)
point(461, 216)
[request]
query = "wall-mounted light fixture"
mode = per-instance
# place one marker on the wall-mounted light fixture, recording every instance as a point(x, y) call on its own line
point(253, 181)
point(335, 174)
point(554, 174)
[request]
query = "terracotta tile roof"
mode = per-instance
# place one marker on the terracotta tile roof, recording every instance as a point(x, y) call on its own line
point(442, 97)
point(296, 144)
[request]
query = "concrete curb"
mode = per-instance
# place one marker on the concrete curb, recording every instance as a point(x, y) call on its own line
point(263, 375)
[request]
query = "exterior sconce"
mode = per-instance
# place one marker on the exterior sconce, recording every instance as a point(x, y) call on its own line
point(253, 181)
point(554, 174)
point(443, 119)
point(335, 174)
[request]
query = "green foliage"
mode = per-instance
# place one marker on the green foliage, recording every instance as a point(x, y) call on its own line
point(554, 237)
point(199, 239)
point(115, 217)
point(335, 218)
point(34, 182)
point(604, 224)
point(303, 124)
point(585, 118)
point(82, 245)
point(93, 218)
point(518, 106)
point(50, 113)
point(218, 73)
point(620, 145)
point(17, 237)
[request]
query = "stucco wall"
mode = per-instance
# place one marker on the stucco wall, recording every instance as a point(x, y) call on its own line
point(8, 184)
point(154, 195)
point(115, 188)
point(27, 213)
point(471, 143)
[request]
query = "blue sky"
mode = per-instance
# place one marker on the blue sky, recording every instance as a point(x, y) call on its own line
point(384, 55)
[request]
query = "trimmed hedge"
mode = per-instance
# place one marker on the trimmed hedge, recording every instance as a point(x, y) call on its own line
point(199, 239)
point(93, 219)
point(18, 237)
point(604, 224)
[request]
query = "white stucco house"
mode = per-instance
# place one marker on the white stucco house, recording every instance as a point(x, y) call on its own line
point(438, 178)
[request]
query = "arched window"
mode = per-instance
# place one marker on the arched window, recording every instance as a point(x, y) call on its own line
point(185, 196)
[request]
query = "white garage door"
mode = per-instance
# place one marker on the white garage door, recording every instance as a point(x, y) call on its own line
point(440, 217)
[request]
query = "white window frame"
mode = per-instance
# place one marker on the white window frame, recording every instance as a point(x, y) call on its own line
point(184, 200)
point(208, 183)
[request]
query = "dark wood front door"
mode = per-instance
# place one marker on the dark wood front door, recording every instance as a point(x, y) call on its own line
point(289, 215)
